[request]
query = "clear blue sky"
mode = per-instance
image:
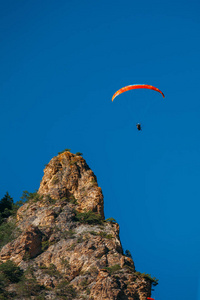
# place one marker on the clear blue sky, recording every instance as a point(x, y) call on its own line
point(61, 62)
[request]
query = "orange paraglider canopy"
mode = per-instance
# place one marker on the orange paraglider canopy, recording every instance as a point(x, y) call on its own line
point(150, 298)
point(137, 86)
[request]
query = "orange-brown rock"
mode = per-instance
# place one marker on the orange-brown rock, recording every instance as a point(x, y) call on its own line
point(58, 246)
point(69, 175)
point(26, 246)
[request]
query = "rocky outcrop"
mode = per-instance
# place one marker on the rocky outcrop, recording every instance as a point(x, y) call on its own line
point(68, 175)
point(64, 238)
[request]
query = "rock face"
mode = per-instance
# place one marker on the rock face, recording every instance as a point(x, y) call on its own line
point(68, 175)
point(62, 239)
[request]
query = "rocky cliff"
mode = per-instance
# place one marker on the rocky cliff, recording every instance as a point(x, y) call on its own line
point(65, 246)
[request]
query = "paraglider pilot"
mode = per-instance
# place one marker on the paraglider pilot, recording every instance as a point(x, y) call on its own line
point(138, 125)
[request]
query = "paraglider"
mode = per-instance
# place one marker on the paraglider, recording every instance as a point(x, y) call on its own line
point(133, 87)
point(150, 298)
point(136, 86)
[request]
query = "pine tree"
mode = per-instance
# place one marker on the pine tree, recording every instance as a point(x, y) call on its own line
point(6, 206)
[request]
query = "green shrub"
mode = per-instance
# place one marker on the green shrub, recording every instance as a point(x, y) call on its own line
point(3, 284)
point(66, 150)
point(91, 271)
point(49, 200)
point(29, 271)
point(105, 235)
point(88, 217)
point(111, 220)
point(42, 296)
point(64, 199)
point(72, 247)
point(35, 197)
point(73, 200)
point(65, 263)
point(51, 270)
point(93, 232)
point(45, 245)
point(84, 282)
point(79, 153)
point(65, 290)
point(25, 196)
point(24, 287)
point(26, 256)
point(29, 287)
point(73, 162)
point(68, 234)
point(94, 182)
point(153, 280)
point(80, 239)
point(8, 232)
point(130, 268)
point(11, 272)
point(113, 269)
point(42, 267)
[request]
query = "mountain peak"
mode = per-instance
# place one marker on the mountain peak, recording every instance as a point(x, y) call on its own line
point(63, 245)
point(68, 175)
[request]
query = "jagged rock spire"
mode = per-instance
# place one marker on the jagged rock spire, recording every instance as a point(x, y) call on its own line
point(69, 175)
